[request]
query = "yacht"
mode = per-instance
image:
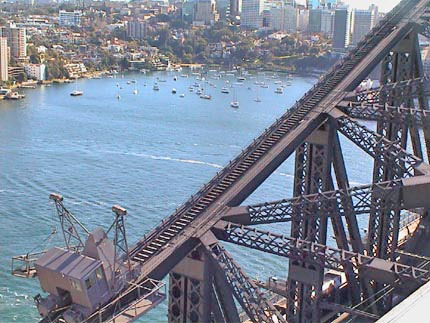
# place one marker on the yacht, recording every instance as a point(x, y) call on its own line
point(205, 96)
point(234, 103)
point(76, 93)
point(279, 90)
point(225, 90)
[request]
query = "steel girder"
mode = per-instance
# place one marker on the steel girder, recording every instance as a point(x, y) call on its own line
point(401, 163)
point(312, 174)
point(330, 203)
point(316, 254)
point(397, 66)
point(408, 89)
point(402, 115)
point(252, 300)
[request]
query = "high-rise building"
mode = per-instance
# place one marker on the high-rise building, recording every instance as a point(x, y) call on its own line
point(283, 18)
point(234, 7)
point(315, 20)
point(340, 28)
point(327, 22)
point(69, 18)
point(136, 29)
point(16, 39)
point(251, 11)
point(302, 19)
point(361, 23)
point(3, 59)
point(205, 11)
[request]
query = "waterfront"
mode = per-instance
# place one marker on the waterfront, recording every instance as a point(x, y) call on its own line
point(147, 152)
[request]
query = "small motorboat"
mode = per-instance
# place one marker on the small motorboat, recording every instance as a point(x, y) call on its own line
point(182, 95)
point(76, 93)
point(234, 104)
point(225, 90)
point(279, 90)
point(155, 87)
point(173, 91)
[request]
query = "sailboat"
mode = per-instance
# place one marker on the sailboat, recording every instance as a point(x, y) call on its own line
point(257, 99)
point(234, 103)
point(76, 92)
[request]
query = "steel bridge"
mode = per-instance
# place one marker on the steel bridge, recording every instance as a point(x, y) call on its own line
point(205, 282)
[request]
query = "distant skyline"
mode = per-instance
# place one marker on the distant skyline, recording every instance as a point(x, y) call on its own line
point(384, 5)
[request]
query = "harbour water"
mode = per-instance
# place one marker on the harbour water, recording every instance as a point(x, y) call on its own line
point(147, 152)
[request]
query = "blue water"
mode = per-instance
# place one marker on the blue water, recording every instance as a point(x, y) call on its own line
point(147, 152)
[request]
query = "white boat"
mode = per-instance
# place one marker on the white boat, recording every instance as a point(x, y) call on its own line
point(235, 102)
point(76, 92)
point(278, 82)
point(155, 87)
point(182, 95)
point(175, 78)
point(135, 91)
point(190, 88)
point(128, 82)
point(264, 86)
point(241, 79)
point(184, 75)
point(118, 97)
point(279, 90)
point(173, 91)
point(205, 96)
point(199, 92)
point(257, 99)
point(225, 90)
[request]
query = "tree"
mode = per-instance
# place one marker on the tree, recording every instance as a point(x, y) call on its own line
point(34, 59)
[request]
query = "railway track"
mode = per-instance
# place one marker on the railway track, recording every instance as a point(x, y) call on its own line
point(172, 226)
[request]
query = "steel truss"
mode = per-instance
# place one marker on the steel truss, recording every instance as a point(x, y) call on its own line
point(413, 117)
point(407, 89)
point(328, 203)
point(316, 254)
point(253, 301)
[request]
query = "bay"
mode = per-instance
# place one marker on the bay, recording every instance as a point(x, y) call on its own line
point(147, 152)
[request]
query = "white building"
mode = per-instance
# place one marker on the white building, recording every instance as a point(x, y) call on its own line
point(283, 18)
point(69, 18)
point(136, 29)
point(251, 13)
point(3, 59)
point(35, 71)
